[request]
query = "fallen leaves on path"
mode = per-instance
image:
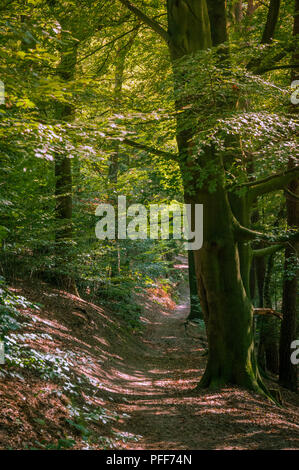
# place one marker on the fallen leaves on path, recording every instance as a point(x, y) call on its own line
point(147, 380)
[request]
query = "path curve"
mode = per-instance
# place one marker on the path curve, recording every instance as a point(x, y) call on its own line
point(159, 399)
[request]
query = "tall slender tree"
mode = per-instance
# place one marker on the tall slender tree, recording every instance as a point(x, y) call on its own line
point(287, 370)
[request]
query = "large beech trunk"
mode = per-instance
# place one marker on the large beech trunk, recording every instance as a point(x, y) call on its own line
point(268, 346)
point(227, 310)
point(223, 263)
point(195, 309)
point(287, 370)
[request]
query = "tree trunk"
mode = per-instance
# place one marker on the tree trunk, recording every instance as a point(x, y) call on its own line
point(287, 370)
point(195, 310)
point(238, 12)
point(271, 21)
point(217, 17)
point(114, 160)
point(63, 173)
point(223, 263)
point(121, 55)
point(227, 309)
point(226, 306)
point(260, 277)
point(270, 325)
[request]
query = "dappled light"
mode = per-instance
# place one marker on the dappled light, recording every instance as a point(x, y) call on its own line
point(149, 216)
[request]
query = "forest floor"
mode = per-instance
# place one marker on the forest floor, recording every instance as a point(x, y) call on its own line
point(124, 390)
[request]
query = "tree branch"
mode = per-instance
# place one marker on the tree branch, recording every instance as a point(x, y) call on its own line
point(160, 153)
point(267, 311)
point(154, 25)
point(3, 7)
point(270, 183)
point(261, 66)
point(293, 195)
point(102, 46)
point(280, 67)
point(243, 234)
point(267, 251)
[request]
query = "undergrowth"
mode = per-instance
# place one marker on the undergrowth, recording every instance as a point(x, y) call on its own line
point(57, 368)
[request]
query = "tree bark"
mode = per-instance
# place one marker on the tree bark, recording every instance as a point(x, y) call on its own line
point(287, 370)
point(268, 346)
point(195, 310)
point(217, 16)
point(271, 21)
point(272, 324)
point(121, 55)
point(222, 279)
point(260, 277)
point(227, 310)
point(63, 176)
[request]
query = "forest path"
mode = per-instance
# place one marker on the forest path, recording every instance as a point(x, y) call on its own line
point(149, 375)
point(158, 397)
point(156, 390)
point(155, 398)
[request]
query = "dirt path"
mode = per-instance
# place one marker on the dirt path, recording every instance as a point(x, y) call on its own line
point(163, 409)
point(158, 378)
point(150, 377)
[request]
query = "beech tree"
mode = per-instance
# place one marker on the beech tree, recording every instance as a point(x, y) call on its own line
point(181, 100)
point(223, 263)
point(287, 370)
point(73, 29)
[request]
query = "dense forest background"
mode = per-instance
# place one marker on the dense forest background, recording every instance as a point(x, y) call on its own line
point(178, 101)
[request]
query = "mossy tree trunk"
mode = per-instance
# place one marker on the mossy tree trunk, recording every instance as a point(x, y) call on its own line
point(223, 263)
point(226, 306)
point(269, 334)
point(288, 333)
point(227, 309)
point(195, 309)
point(287, 370)
point(260, 265)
